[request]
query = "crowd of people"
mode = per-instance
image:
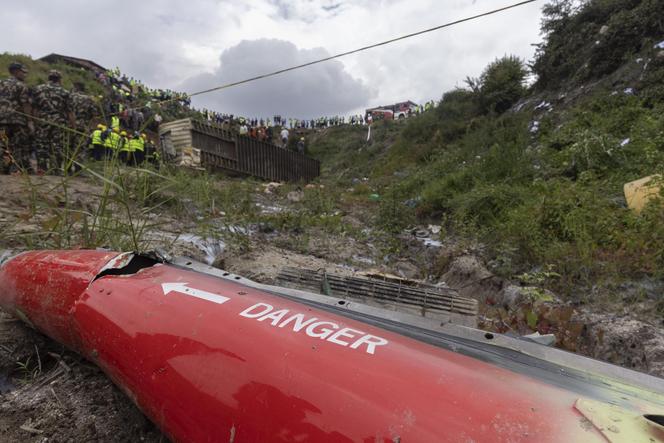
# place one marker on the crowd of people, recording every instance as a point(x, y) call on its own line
point(54, 125)
point(50, 123)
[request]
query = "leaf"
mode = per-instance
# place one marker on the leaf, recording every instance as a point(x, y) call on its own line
point(531, 318)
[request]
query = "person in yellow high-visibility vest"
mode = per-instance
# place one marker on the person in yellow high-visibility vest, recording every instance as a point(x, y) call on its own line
point(97, 143)
point(111, 142)
point(115, 122)
point(137, 148)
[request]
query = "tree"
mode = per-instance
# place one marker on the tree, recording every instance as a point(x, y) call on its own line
point(501, 84)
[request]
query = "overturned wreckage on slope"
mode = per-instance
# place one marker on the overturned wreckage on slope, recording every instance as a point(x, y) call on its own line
point(210, 356)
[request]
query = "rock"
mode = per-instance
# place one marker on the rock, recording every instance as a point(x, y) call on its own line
point(660, 55)
point(623, 341)
point(513, 296)
point(295, 196)
point(603, 30)
point(472, 279)
point(407, 270)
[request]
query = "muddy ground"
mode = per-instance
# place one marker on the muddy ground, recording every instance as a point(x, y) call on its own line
point(48, 393)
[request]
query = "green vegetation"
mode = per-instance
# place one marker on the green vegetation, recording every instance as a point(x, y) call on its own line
point(540, 186)
point(594, 40)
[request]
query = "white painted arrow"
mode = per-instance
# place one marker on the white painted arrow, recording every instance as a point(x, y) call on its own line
point(182, 288)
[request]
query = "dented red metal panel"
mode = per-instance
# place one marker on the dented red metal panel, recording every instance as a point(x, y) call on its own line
point(45, 285)
point(212, 360)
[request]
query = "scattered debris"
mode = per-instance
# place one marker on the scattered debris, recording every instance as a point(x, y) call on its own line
point(534, 127)
point(659, 45)
point(640, 192)
point(295, 196)
point(544, 105)
point(625, 142)
point(546, 340)
point(364, 260)
point(27, 428)
point(269, 209)
point(269, 188)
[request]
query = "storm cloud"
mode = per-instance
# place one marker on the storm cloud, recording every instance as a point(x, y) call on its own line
point(197, 44)
point(317, 90)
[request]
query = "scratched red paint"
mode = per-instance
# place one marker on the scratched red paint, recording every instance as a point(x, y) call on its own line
point(205, 373)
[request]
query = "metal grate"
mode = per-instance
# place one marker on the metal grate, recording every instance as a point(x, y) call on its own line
point(423, 298)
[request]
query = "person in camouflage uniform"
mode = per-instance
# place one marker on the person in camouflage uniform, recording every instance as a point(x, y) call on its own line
point(85, 109)
point(15, 129)
point(53, 104)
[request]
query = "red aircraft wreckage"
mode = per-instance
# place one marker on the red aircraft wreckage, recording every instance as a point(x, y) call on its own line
point(210, 356)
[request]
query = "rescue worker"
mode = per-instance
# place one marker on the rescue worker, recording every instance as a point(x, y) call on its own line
point(16, 129)
point(53, 105)
point(123, 148)
point(112, 142)
point(115, 122)
point(140, 153)
point(97, 143)
point(300, 145)
point(136, 148)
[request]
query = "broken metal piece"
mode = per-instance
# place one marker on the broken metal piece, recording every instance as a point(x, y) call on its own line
point(403, 295)
point(619, 425)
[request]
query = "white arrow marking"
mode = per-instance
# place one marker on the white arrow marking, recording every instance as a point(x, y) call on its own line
point(182, 288)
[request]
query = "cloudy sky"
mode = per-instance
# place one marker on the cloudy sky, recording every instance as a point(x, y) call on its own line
point(196, 44)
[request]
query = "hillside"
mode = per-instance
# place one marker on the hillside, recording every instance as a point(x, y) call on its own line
point(540, 182)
